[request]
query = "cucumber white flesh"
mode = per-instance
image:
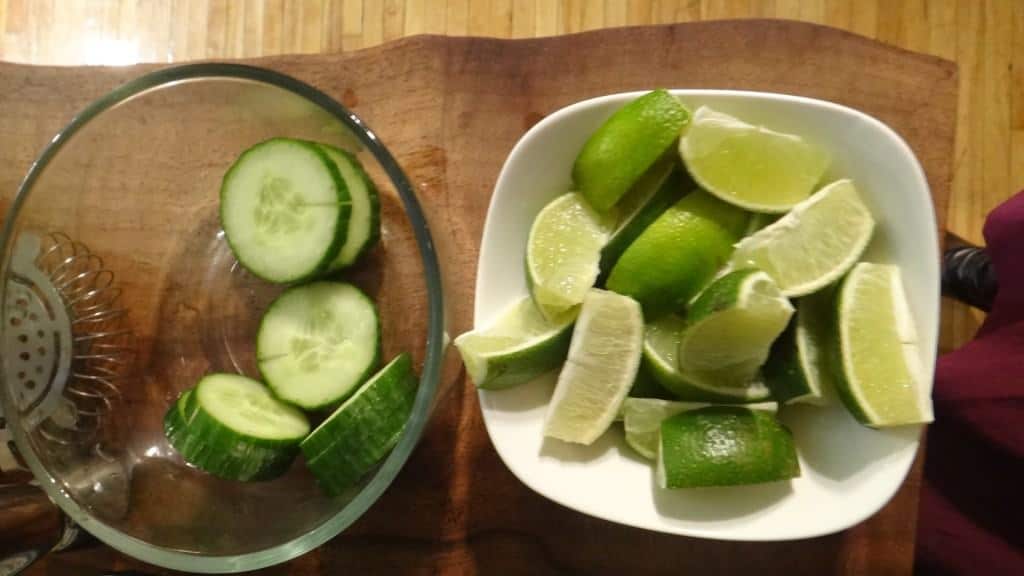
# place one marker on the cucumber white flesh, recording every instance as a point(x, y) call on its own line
point(285, 210)
point(364, 222)
point(317, 343)
point(363, 429)
point(233, 427)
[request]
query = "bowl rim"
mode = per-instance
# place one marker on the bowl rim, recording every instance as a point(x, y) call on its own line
point(429, 379)
point(515, 465)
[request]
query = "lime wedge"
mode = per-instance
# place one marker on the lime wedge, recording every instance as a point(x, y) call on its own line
point(563, 251)
point(731, 327)
point(661, 187)
point(661, 347)
point(875, 359)
point(603, 360)
point(626, 145)
point(642, 419)
point(750, 166)
point(724, 446)
point(813, 245)
point(796, 370)
point(521, 345)
point(678, 254)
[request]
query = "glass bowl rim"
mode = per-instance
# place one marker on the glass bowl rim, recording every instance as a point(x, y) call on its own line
point(429, 378)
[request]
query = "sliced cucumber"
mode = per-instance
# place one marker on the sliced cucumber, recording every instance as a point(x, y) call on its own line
point(317, 343)
point(285, 210)
point(232, 427)
point(363, 429)
point(364, 222)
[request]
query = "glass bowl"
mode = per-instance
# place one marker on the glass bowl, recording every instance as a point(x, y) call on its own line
point(120, 292)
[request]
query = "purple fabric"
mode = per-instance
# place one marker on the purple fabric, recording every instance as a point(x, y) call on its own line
point(972, 511)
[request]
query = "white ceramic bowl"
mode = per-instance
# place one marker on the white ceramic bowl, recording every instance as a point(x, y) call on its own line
point(848, 471)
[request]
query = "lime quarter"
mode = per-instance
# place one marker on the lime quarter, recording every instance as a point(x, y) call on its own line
point(815, 244)
point(604, 356)
point(875, 358)
point(642, 418)
point(520, 346)
point(678, 254)
point(563, 252)
point(750, 166)
point(724, 446)
point(731, 327)
point(626, 145)
point(660, 363)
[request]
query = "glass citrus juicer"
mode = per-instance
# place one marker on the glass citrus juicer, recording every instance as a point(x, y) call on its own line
point(120, 291)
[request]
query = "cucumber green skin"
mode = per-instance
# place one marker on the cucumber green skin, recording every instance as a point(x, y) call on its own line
point(782, 372)
point(217, 450)
point(680, 273)
point(348, 444)
point(389, 386)
point(331, 403)
point(611, 160)
point(516, 369)
point(768, 456)
point(669, 192)
point(344, 211)
point(183, 402)
point(374, 198)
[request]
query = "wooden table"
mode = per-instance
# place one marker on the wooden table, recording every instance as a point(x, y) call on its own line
point(985, 37)
point(989, 149)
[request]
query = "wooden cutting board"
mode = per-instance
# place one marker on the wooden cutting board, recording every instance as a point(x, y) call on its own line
point(450, 110)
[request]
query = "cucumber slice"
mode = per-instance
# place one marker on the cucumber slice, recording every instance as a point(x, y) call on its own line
point(285, 210)
point(362, 430)
point(317, 343)
point(232, 427)
point(364, 221)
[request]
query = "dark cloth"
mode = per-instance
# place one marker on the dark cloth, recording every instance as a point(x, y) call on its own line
point(971, 517)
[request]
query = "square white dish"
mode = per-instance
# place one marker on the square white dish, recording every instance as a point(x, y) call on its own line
point(848, 471)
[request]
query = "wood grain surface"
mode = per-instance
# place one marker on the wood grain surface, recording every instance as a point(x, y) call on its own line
point(455, 508)
point(985, 37)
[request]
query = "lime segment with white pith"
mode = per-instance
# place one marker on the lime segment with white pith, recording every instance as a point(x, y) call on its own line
point(755, 168)
point(604, 356)
point(563, 253)
point(521, 345)
point(731, 327)
point(814, 244)
point(875, 358)
point(660, 362)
